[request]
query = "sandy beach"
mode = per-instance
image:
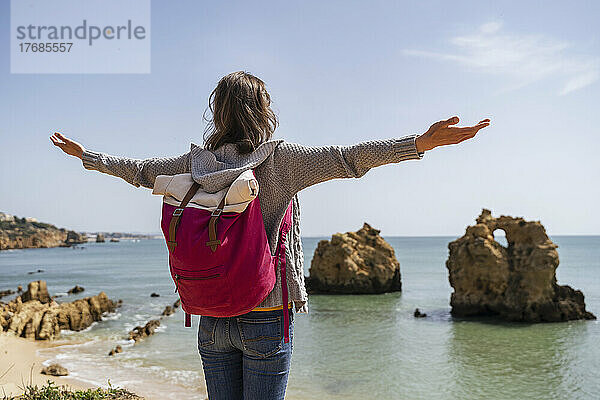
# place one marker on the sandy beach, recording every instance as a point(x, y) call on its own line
point(20, 366)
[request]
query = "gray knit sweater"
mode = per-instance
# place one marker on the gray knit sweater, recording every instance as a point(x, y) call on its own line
point(282, 170)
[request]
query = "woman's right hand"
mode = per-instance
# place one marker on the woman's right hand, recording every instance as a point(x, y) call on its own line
point(67, 145)
point(442, 133)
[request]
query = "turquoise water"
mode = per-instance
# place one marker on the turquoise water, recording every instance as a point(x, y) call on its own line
point(347, 347)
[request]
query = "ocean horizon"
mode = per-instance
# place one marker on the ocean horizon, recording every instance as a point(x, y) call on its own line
point(346, 347)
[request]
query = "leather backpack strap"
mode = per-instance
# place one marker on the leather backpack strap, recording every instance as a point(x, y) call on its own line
point(213, 242)
point(177, 213)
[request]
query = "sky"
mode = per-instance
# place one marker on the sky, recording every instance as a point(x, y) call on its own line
point(338, 73)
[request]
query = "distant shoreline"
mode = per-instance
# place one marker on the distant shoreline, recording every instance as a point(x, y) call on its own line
point(92, 239)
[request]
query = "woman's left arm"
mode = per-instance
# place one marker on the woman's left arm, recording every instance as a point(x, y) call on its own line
point(134, 171)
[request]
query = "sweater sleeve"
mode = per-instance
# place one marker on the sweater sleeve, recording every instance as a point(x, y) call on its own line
point(135, 171)
point(301, 166)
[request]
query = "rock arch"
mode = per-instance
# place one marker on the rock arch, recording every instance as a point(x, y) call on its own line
point(516, 282)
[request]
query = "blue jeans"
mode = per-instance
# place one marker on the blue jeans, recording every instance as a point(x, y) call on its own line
point(245, 357)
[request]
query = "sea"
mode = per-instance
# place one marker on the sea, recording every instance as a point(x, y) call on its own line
point(347, 347)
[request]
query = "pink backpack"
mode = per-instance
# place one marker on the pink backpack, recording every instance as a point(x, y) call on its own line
point(219, 255)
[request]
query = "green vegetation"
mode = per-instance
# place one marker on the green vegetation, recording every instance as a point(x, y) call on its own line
point(21, 223)
point(21, 228)
point(52, 392)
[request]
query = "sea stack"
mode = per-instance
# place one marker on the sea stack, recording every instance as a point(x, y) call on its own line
point(74, 238)
point(514, 283)
point(360, 262)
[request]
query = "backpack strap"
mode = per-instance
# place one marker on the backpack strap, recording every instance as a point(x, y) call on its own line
point(286, 224)
point(213, 242)
point(177, 213)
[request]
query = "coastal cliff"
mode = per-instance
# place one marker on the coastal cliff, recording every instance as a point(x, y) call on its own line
point(515, 283)
point(24, 233)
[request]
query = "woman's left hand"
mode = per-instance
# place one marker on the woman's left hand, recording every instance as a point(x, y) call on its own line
point(67, 145)
point(442, 133)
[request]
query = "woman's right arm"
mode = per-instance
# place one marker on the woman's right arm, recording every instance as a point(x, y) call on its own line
point(134, 171)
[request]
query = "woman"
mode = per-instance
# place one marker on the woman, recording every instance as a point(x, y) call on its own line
point(245, 356)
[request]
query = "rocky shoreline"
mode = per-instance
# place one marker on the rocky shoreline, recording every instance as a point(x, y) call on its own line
point(35, 315)
point(29, 233)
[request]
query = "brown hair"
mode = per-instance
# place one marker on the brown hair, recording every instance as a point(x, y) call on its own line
point(241, 113)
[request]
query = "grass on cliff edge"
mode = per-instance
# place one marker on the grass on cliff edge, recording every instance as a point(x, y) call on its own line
point(52, 392)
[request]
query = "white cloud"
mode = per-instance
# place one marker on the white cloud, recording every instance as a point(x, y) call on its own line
point(524, 59)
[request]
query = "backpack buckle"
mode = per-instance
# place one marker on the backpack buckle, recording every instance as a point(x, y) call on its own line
point(216, 212)
point(178, 212)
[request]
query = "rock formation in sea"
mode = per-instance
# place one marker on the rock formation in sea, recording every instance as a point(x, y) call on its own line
point(75, 289)
point(118, 349)
point(100, 238)
point(35, 315)
point(419, 314)
point(75, 238)
point(22, 233)
point(140, 332)
point(37, 290)
point(514, 283)
point(360, 262)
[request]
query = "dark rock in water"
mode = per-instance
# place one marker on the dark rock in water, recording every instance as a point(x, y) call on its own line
point(19, 289)
point(359, 262)
point(116, 350)
point(419, 314)
point(35, 272)
point(4, 293)
point(114, 240)
point(154, 295)
point(168, 311)
point(55, 370)
point(177, 303)
point(140, 332)
point(100, 238)
point(76, 289)
point(515, 283)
